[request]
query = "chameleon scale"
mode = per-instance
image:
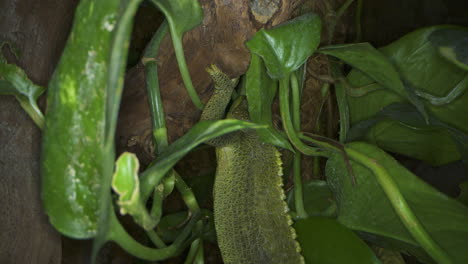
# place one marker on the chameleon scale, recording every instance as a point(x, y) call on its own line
point(251, 216)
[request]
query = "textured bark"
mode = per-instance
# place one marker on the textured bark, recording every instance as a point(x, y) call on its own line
point(38, 29)
point(219, 40)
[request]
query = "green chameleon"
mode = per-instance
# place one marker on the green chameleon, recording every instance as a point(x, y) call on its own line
point(251, 217)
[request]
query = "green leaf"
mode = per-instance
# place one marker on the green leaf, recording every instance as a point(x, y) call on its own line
point(14, 81)
point(318, 198)
point(286, 47)
point(73, 155)
point(463, 197)
point(364, 207)
point(202, 186)
point(324, 240)
point(260, 91)
point(370, 62)
point(182, 15)
point(431, 142)
point(424, 71)
point(452, 44)
point(126, 184)
point(201, 132)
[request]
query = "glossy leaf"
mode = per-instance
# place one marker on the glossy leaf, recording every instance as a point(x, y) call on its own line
point(423, 70)
point(318, 198)
point(415, 138)
point(182, 15)
point(286, 47)
point(126, 184)
point(324, 240)
point(73, 151)
point(364, 207)
point(452, 44)
point(260, 91)
point(369, 61)
point(201, 132)
point(14, 81)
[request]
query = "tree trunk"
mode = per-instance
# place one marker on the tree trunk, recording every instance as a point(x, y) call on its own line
point(38, 29)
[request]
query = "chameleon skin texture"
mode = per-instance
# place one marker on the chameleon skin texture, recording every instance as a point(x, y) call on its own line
point(251, 216)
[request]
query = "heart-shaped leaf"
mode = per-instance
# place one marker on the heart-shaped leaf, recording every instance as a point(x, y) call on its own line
point(370, 62)
point(324, 240)
point(286, 47)
point(424, 73)
point(366, 208)
point(318, 198)
point(452, 44)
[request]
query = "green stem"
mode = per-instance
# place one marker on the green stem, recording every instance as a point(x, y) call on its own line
point(287, 123)
point(187, 194)
point(200, 257)
point(31, 108)
point(121, 237)
point(296, 115)
point(339, 13)
point(401, 207)
point(179, 52)
point(159, 122)
point(157, 241)
point(193, 251)
point(358, 21)
point(343, 8)
point(343, 109)
point(152, 85)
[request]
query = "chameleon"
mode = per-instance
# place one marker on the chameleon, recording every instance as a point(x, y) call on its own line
point(250, 213)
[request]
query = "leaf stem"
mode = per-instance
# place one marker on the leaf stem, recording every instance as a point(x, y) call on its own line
point(358, 20)
point(179, 52)
point(152, 86)
point(401, 207)
point(157, 241)
point(296, 115)
point(287, 123)
point(193, 251)
point(31, 108)
point(121, 237)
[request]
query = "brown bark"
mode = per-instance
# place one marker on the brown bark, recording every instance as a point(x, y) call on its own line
point(38, 29)
point(219, 40)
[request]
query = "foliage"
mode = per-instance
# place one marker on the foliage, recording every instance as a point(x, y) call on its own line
point(408, 97)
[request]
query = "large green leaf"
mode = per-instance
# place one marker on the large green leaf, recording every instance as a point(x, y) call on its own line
point(370, 62)
point(423, 70)
point(14, 81)
point(318, 199)
point(286, 47)
point(260, 91)
point(325, 241)
point(452, 44)
point(401, 128)
point(364, 207)
point(182, 15)
point(73, 151)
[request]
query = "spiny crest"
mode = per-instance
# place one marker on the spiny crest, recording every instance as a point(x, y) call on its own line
point(220, 78)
